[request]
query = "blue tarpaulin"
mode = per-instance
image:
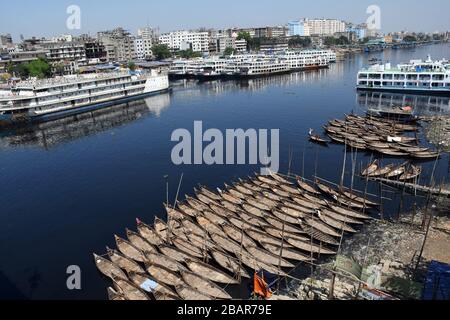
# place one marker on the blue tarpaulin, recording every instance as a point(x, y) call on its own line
point(437, 286)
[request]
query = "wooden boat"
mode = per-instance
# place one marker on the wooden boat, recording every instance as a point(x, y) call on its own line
point(322, 227)
point(164, 260)
point(202, 242)
point(108, 268)
point(114, 295)
point(297, 207)
point(268, 181)
point(129, 290)
point(215, 218)
point(279, 178)
point(381, 172)
point(316, 138)
point(242, 224)
point(392, 152)
point(263, 255)
point(242, 189)
point(174, 214)
point(208, 226)
point(336, 138)
point(227, 244)
point(319, 235)
point(410, 149)
point(326, 189)
point(280, 224)
point(204, 285)
point(147, 284)
point(210, 194)
point(191, 294)
point(352, 195)
point(271, 235)
point(280, 193)
point(195, 204)
point(230, 206)
point(266, 201)
point(256, 264)
point(286, 252)
point(189, 248)
point(291, 212)
point(129, 250)
point(231, 198)
point(291, 190)
point(175, 253)
point(350, 213)
point(306, 204)
point(123, 262)
point(188, 210)
point(229, 263)
point(275, 236)
point(191, 227)
point(309, 247)
point(253, 202)
point(235, 193)
point(307, 187)
point(161, 228)
point(346, 202)
point(139, 242)
point(371, 168)
point(411, 174)
point(285, 217)
point(425, 155)
point(205, 199)
point(210, 272)
point(148, 233)
point(239, 235)
point(321, 202)
point(222, 211)
point(338, 225)
point(272, 196)
point(253, 220)
point(164, 275)
point(397, 171)
point(340, 217)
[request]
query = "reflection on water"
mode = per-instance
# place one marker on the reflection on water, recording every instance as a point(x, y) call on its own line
point(191, 88)
point(51, 133)
point(422, 105)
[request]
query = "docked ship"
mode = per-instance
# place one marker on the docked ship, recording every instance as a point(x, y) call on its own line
point(251, 65)
point(417, 76)
point(29, 100)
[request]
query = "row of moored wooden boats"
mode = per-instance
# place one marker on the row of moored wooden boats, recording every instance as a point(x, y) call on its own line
point(379, 135)
point(217, 238)
point(403, 172)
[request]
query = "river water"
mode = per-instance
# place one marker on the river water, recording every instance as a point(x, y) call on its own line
point(69, 185)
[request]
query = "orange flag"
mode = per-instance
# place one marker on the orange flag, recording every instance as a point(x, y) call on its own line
point(261, 287)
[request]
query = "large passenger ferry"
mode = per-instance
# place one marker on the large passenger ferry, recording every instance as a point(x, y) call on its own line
point(417, 76)
point(23, 101)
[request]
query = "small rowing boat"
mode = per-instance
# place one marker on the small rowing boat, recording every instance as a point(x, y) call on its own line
point(123, 262)
point(210, 272)
point(129, 250)
point(204, 285)
point(109, 269)
point(163, 275)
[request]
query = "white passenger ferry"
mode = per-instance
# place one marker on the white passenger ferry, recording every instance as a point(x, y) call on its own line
point(417, 76)
point(27, 100)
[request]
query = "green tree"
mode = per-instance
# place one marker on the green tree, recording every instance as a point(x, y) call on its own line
point(39, 68)
point(300, 42)
point(409, 39)
point(229, 51)
point(131, 65)
point(188, 54)
point(161, 51)
point(244, 35)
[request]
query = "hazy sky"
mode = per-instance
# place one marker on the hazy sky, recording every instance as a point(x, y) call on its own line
point(48, 17)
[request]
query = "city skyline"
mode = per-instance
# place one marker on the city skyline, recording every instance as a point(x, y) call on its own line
point(49, 19)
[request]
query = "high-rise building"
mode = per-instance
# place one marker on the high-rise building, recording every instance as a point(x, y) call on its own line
point(296, 28)
point(183, 40)
point(323, 27)
point(119, 45)
point(5, 40)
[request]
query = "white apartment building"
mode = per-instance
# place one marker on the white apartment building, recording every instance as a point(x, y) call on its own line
point(143, 48)
point(182, 40)
point(323, 26)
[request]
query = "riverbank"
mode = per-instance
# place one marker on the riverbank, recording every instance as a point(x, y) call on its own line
point(391, 247)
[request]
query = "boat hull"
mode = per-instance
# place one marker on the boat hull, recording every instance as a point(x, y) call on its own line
point(439, 92)
point(8, 119)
